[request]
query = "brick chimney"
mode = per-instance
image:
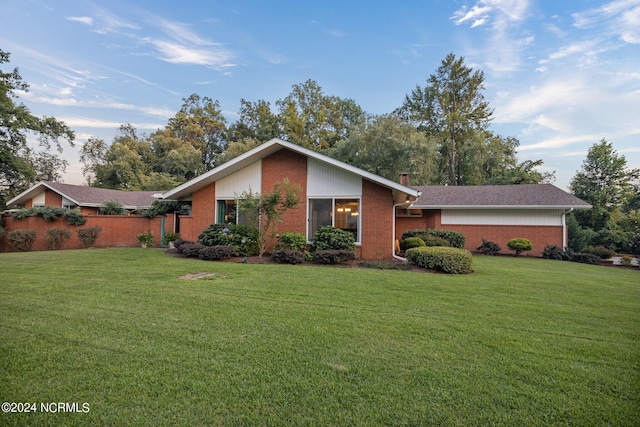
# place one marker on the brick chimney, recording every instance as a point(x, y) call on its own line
point(404, 179)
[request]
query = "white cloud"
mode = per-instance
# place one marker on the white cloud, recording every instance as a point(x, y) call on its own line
point(86, 122)
point(620, 18)
point(87, 20)
point(180, 54)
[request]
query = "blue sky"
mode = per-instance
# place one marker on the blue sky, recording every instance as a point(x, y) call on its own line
point(560, 75)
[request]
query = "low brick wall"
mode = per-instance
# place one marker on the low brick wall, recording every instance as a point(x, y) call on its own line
point(117, 230)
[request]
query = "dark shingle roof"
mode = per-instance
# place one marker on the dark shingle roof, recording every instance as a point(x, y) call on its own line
point(92, 196)
point(497, 196)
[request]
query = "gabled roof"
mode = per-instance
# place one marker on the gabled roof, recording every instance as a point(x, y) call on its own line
point(531, 196)
point(88, 196)
point(270, 147)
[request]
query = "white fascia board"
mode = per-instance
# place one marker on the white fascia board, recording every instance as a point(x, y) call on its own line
point(413, 206)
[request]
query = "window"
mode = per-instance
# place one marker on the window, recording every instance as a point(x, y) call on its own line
point(339, 213)
point(228, 213)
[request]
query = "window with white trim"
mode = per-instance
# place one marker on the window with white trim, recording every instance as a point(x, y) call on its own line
point(340, 213)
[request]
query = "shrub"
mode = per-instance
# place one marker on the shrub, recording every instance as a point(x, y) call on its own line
point(170, 237)
point(89, 235)
point(585, 258)
point(333, 256)
point(288, 256)
point(242, 238)
point(22, 240)
point(179, 242)
point(55, 237)
point(331, 238)
point(292, 240)
point(599, 251)
point(489, 248)
point(51, 213)
point(455, 239)
point(411, 242)
point(112, 207)
point(146, 239)
point(448, 260)
point(553, 252)
point(190, 249)
point(519, 245)
point(216, 253)
point(626, 261)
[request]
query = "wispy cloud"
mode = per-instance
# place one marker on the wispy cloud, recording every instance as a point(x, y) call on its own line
point(87, 20)
point(86, 122)
point(505, 43)
point(214, 57)
point(620, 18)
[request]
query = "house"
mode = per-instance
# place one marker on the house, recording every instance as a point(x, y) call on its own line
point(496, 213)
point(87, 199)
point(333, 193)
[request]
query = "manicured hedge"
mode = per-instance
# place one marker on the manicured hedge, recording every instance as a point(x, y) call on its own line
point(411, 242)
point(216, 253)
point(448, 260)
point(288, 256)
point(333, 256)
point(455, 239)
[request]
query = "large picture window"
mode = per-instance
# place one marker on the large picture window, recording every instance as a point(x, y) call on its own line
point(339, 213)
point(227, 213)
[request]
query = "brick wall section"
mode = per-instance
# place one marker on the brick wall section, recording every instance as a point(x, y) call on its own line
point(203, 207)
point(376, 222)
point(117, 231)
point(293, 166)
point(540, 236)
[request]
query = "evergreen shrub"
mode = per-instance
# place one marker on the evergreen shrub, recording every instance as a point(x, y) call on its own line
point(88, 235)
point(448, 260)
point(455, 239)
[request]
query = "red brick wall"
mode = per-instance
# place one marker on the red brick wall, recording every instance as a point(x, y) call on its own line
point(51, 198)
point(293, 166)
point(540, 236)
point(117, 231)
point(203, 208)
point(376, 222)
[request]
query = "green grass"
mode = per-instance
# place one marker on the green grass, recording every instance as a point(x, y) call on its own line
point(519, 342)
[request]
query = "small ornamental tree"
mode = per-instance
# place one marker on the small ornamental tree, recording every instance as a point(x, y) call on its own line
point(264, 211)
point(88, 235)
point(519, 245)
point(22, 239)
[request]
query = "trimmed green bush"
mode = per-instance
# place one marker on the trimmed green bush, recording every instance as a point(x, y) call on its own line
point(216, 253)
point(455, 239)
point(553, 252)
point(243, 239)
point(600, 251)
point(331, 238)
point(411, 242)
point(430, 240)
point(448, 260)
point(22, 240)
point(585, 258)
point(190, 249)
point(489, 248)
point(333, 256)
point(519, 245)
point(288, 256)
point(89, 235)
point(55, 237)
point(292, 240)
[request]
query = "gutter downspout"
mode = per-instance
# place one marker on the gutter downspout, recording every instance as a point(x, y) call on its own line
point(393, 228)
point(564, 228)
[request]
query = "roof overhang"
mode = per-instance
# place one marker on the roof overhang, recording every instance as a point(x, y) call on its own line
point(33, 191)
point(400, 192)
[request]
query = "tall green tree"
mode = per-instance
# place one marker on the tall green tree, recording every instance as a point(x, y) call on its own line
point(605, 182)
point(200, 123)
point(388, 146)
point(18, 162)
point(312, 119)
point(452, 109)
point(256, 121)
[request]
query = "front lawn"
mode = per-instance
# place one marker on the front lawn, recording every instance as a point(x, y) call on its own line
point(521, 341)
